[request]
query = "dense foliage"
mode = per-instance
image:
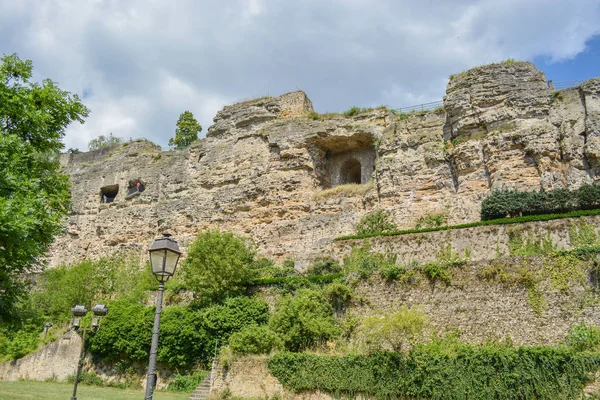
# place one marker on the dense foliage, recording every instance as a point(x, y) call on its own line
point(513, 203)
point(254, 340)
point(34, 195)
point(443, 371)
point(188, 336)
point(102, 142)
point(303, 320)
point(186, 131)
point(324, 266)
point(219, 264)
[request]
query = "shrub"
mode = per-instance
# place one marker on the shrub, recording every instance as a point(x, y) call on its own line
point(374, 223)
point(391, 272)
point(431, 220)
point(352, 111)
point(219, 264)
point(324, 266)
point(126, 332)
point(338, 295)
point(87, 378)
point(303, 320)
point(183, 337)
point(362, 262)
point(394, 330)
point(589, 196)
point(254, 340)
point(583, 337)
point(187, 383)
point(263, 268)
point(17, 344)
point(233, 315)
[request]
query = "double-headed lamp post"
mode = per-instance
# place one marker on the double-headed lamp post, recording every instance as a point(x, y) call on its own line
point(164, 255)
point(99, 310)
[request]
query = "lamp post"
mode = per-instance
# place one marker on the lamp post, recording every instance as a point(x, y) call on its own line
point(99, 310)
point(164, 255)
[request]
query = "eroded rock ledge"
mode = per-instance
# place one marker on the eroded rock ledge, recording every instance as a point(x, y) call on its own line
point(263, 161)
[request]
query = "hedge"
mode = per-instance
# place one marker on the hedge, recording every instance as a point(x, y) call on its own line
point(437, 372)
point(500, 221)
point(512, 203)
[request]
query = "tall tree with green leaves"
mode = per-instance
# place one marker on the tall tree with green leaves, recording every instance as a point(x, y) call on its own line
point(34, 195)
point(186, 132)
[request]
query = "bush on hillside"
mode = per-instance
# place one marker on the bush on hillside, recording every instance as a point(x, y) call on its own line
point(363, 263)
point(583, 337)
point(303, 320)
point(324, 266)
point(87, 283)
point(218, 265)
point(374, 223)
point(254, 340)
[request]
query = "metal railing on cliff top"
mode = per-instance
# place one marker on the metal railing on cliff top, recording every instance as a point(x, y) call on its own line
point(435, 104)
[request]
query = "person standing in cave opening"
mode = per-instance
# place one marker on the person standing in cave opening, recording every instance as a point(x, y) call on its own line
point(104, 198)
point(138, 185)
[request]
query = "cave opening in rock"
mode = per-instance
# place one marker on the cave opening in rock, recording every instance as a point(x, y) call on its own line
point(109, 193)
point(351, 171)
point(135, 187)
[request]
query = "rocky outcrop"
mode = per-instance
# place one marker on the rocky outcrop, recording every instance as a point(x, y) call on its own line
point(264, 166)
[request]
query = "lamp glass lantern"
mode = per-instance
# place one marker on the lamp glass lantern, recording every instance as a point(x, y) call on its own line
point(78, 312)
point(164, 255)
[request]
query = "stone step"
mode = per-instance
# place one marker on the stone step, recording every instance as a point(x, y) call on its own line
point(202, 391)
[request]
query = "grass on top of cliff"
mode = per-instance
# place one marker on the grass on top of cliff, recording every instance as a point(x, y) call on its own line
point(349, 189)
point(500, 221)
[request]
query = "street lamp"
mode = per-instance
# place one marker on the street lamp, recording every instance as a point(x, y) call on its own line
point(78, 312)
point(164, 255)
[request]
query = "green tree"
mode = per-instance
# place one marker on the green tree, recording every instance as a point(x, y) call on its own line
point(303, 320)
point(219, 264)
point(34, 195)
point(186, 132)
point(104, 141)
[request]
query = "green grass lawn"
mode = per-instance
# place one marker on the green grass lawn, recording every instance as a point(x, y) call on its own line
point(63, 391)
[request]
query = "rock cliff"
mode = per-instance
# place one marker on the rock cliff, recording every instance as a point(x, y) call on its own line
point(266, 165)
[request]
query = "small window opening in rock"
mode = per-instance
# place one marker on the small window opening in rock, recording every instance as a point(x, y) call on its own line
point(351, 172)
point(135, 187)
point(109, 193)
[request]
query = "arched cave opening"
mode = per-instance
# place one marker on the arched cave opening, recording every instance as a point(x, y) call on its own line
point(351, 171)
point(109, 193)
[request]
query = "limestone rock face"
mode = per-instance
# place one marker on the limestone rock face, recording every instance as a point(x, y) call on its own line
point(264, 169)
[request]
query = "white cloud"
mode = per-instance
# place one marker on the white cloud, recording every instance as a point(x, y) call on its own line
point(142, 63)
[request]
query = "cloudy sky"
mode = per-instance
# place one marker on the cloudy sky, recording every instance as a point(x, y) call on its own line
point(137, 64)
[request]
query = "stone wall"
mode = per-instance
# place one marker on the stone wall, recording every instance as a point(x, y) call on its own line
point(250, 378)
point(58, 360)
point(478, 243)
